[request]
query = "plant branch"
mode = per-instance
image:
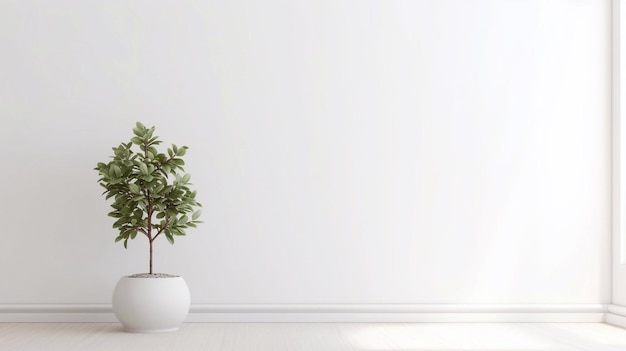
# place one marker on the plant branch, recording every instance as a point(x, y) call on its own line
point(160, 168)
point(162, 229)
point(140, 229)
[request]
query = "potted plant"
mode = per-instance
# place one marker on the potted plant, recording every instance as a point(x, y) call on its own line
point(151, 199)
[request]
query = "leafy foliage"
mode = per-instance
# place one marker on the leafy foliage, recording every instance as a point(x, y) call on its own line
point(150, 190)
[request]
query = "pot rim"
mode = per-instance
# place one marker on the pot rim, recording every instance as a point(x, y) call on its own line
point(152, 276)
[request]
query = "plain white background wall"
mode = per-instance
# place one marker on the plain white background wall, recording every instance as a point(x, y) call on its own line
point(344, 151)
point(619, 128)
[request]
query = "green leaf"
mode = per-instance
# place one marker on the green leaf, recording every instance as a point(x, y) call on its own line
point(134, 188)
point(150, 132)
point(159, 188)
point(186, 178)
point(120, 222)
point(143, 168)
point(161, 158)
point(115, 170)
point(136, 140)
point(169, 237)
point(171, 212)
point(196, 215)
point(183, 219)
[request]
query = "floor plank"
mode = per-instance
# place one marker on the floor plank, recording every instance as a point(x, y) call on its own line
point(318, 337)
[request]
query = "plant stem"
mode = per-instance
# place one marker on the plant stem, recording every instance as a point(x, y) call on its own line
point(150, 210)
point(150, 256)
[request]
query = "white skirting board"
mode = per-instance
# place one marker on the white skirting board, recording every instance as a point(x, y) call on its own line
point(424, 313)
point(616, 315)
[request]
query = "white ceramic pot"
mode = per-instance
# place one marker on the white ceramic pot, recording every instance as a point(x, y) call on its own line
point(151, 305)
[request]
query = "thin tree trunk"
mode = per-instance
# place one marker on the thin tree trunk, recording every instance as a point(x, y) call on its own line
point(150, 256)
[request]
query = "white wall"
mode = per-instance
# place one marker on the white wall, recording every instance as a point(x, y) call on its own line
point(619, 155)
point(345, 151)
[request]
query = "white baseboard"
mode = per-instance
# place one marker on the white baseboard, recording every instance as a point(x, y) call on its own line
point(400, 317)
point(615, 319)
point(424, 313)
point(616, 315)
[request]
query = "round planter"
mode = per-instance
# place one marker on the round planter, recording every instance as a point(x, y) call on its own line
point(153, 304)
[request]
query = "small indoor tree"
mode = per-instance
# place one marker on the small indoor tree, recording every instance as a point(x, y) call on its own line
point(150, 190)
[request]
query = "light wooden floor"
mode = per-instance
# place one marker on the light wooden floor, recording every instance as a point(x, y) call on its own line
point(318, 337)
